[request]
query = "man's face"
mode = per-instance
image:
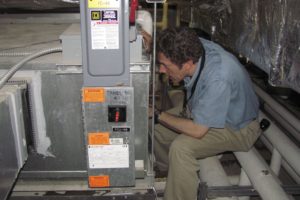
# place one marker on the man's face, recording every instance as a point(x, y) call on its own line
point(175, 73)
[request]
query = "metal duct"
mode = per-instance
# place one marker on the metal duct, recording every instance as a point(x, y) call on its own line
point(37, 4)
point(265, 31)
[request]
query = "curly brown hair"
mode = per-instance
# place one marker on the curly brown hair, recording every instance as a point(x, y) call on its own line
point(179, 45)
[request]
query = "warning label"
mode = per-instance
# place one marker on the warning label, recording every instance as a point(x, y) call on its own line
point(105, 29)
point(108, 156)
point(99, 181)
point(93, 95)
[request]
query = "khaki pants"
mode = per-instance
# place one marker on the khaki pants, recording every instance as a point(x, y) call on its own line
point(179, 153)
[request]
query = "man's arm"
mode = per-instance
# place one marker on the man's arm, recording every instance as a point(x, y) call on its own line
point(181, 125)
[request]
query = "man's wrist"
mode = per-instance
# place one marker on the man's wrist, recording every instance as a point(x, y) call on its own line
point(157, 114)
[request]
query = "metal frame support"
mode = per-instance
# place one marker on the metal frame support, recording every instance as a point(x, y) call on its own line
point(212, 192)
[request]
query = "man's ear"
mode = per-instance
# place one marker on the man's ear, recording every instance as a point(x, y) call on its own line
point(188, 65)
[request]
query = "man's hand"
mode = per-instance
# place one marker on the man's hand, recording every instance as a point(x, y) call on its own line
point(156, 114)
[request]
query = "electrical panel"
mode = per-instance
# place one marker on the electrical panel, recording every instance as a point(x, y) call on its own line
point(105, 42)
point(109, 132)
point(107, 98)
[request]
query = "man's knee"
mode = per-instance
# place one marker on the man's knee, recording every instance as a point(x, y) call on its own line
point(179, 148)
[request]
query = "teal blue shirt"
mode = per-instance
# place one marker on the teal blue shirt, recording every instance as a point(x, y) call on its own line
point(224, 96)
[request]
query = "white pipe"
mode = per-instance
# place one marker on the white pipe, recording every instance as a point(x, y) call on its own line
point(286, 166)
point(144, 19)
point(212, 172)
point(234, 179)
point(261, 176)
point(283, 144)
point(276, 161)
point(278, 108)
point(286, 125)
point(244, 181)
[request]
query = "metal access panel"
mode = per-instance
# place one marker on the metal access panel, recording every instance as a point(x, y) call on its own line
point(13, 148)
point(105, 42)
point(109, 131)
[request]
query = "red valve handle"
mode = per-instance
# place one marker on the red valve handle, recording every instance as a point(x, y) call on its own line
point(133, 7)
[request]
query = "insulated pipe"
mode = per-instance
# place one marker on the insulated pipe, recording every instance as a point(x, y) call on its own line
point(16, 67)
point(286, 166)
point(283, 144)
point(285, 124)
point(261, 175)
point(278, 108)
point(144, 19)
point(276, 161)
point(244, 181)
point(212, 172)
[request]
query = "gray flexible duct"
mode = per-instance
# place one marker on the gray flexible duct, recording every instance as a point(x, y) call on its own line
point(14, 54)
point(16, 67)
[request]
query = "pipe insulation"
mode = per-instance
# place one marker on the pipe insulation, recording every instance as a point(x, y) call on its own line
point(285, 124)
point(244, 181)
point(261, 176)
point(286, 166)
point(144, 19)
point(16, 67)
point(276, 160)
point(212, 172)
point(283, 144)
point(291, 119)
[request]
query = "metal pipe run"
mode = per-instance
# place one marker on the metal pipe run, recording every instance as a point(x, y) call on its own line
point(261, 176)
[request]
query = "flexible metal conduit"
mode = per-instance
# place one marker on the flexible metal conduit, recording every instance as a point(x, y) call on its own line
point(16, 67)
point(14, 54)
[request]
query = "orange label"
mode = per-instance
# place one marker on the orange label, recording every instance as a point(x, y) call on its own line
point(90, 95)
point(99, 181)
point(98, 138)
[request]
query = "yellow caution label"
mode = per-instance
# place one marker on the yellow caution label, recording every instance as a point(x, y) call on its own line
point(103, 3)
